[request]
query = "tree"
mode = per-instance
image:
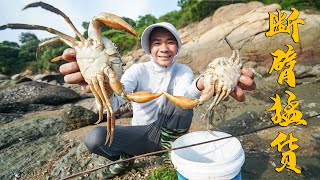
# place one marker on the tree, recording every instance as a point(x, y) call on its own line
point(9, 57)
point(129, 21)
point(173, 17)
point(124, 41)
point(26, 37)
point(146, 20)
point(85, 25)
point(29, 46)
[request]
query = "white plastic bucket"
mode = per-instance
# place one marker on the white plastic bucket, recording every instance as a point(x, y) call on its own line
point(222, 159)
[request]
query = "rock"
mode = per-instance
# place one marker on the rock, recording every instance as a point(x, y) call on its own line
point(76, 117)
point(13, 107)
point(27, 73)
point(301, 72)
point(29, 130)
point(252, 25)
point(125, 111)
point(245, 123)
point(233, 11)
point(6, 83)
point(54, 79)
point(268, 87)
point(30, 95)
point(16, 77)
point(6, 118)
point(69, 161)
point(3, 77)
point(37, 93)
point(203, 41)
point(23, 79)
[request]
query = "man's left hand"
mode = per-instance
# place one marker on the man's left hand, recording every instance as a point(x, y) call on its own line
point(246, 83)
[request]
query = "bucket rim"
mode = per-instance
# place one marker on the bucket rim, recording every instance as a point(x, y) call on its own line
point(225, 161)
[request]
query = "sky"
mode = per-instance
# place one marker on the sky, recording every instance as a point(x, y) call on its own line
point(77, 10)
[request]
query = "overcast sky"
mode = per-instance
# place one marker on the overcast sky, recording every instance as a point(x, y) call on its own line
point(77, 10)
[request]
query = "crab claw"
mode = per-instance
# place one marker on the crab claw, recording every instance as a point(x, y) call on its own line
point(182, 101)
point(114, 22)
point(143, 96)
point(109, 20)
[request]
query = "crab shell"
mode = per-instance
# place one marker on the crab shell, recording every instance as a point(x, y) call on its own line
point(221, 77)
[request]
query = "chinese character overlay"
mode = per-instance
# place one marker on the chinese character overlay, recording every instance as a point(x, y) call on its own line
point(290, 114)
point(281, 59)
point(279, 24)
point(288, 157)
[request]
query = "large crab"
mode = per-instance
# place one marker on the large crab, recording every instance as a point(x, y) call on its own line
point(219, 79)
point(98, 60)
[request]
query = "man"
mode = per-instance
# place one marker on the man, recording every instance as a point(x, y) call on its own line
point(155, 124)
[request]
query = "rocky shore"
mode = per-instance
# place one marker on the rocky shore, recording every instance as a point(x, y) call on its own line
point(43, 127)
point(44, 120)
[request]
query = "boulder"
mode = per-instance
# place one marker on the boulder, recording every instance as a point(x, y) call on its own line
point(248, 31)
point(244, 25)
point(3, 77)
point(75, 117)
point(54, 79)
point(23, 94)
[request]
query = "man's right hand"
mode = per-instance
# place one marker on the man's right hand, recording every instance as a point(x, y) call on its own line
point(71, 70)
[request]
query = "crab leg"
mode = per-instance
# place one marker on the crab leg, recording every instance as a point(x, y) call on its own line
point(106, 96)
point(45, 43)
point(182, 101)
point(99, 102)
point(219, 93)
point(209, 91)
point(99, 92)
point(48, 42)
point(70, 41)
point(57, 11)
point(114, 81)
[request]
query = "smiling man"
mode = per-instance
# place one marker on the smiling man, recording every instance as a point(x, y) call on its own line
point(155, 124)
point(163, 46)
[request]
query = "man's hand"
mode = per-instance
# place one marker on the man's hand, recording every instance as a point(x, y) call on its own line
point(71, 70)
point(246, 83)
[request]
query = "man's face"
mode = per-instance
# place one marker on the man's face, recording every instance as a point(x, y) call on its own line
point(163, 46)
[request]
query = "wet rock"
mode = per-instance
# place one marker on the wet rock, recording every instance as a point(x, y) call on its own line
point(13, 107)
point(6, 118)
point(268, 87)
point(23, 79)
point(6, 83)
point(24, 131)
point(68, 164)
point(76, 117)
point(16, 77)
point(54, 79)
point(245, 123)
point(20, 96)
point(125, 111)
point(306, 71)
point(22, 157)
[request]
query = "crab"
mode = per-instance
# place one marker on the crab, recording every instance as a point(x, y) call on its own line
point(98, 59)
point(220, 79)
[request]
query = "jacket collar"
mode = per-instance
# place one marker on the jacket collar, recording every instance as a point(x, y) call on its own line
point(157, 68)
